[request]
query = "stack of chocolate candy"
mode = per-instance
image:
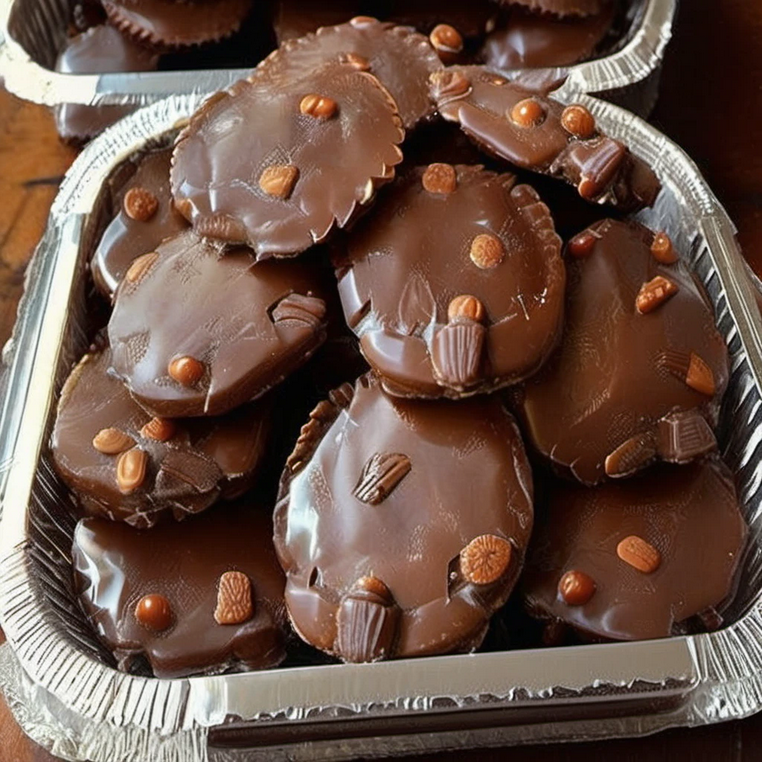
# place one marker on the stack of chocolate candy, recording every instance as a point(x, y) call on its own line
point(108, 36)
point(405, 515)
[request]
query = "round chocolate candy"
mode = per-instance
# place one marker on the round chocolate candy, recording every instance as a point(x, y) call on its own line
point(278, 163)
point(184, 599)
point(177, 24)
point(641, 368)
point(387, 553)
point(144, 216)
point(401, 59)
point(195, 333)
point(528, 129)
point(463, 291)
point(126, 465)
point(636, 559)
point(99, 50)
point(531, 40)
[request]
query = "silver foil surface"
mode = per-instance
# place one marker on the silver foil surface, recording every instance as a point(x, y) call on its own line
point(58, 679)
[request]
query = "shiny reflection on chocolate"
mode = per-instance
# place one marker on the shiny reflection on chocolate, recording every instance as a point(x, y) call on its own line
point(636, 559)
point(641, 369)
point(402, 525)
point(201, 597)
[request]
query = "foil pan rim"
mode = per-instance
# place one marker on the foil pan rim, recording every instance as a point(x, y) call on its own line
point(716, 676)
point(634, 62)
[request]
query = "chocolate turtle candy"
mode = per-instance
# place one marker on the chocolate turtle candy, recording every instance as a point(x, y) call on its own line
point(177, 24)
point(145, 216)
point(637, 559)
point(279, 163)
point(386, 552)
point(195, 333)
point(99, 50)
point(401, 59)
point(641, 368)
point(202, 597)
point(528, 40)
point(532, 131)
point(561, 7)
point(462, 292)
point(126, 465)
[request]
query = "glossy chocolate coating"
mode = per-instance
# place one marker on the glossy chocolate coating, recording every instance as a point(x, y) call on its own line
point(327, 537)
point(560, 7)
point(526, 40)
point(688, 513)
point(603, 169)
point(126, 238)
point(177, 24)
point(235, 136)
point(400, 57)
point(203, 460)
point(224, 312)
point(397, 280)
point(99, 50)
point(614, 381)
point(116, 565)
point(469, 18)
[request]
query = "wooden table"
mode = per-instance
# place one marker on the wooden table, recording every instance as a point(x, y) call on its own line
point(711, 103)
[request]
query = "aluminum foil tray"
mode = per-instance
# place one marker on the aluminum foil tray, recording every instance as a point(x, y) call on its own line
point(67, 697)
point(32, 32)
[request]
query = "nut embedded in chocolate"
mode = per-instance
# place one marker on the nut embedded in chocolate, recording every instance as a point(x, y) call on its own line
point(380, 475)
point(654, 293)
point(186, 370)
point(449, 83)
point(578, 121)
point(527, 113)
point(140, 204)
point(360, 63)
point(639, 554)
point(318, 106)
point(279, 180)
point(112, 441)
point(160, 429)
point(582, 244)
point(447, 41)
point(663, 250)
point(576, 587)
point(307, 309)
point(131, 470)
point(700, 376)
point(465, 306)
point(485, 559)
point(154, 612)
point(631, 456)
point(486, 251)
point(140, 267)
point(234, 599)
point(440, 178)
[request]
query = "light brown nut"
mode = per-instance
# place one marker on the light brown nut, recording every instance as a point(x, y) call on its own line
point(487, 251)
point(440, 178)
point(578, 121)
point(465, 306)
point(318, 106)
point(485, 559)
point(380, 475)
point(112, 441)
point(279, 180)
point(140, 204)
point(131, 470)
point(160, 429)
point(639, 554)
point(662, 249)
point(447, 41)
point(357, 61)
point(700, 377)
point(582, 244)
point(576, 588)
point(654, 293)
point(234, 599)
point(527, 113)
point(140, 267)
point(631, 456)
point(448, 84)
point(154, 612)
point(375, 587)
point(186, 370)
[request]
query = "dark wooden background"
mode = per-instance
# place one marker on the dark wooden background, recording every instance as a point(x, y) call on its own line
point(711, 104)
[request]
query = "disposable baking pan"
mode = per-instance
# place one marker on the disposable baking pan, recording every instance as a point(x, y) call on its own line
point(68, 698)
point(32, 32)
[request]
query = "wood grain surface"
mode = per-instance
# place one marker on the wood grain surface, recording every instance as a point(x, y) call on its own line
point(711, 104)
